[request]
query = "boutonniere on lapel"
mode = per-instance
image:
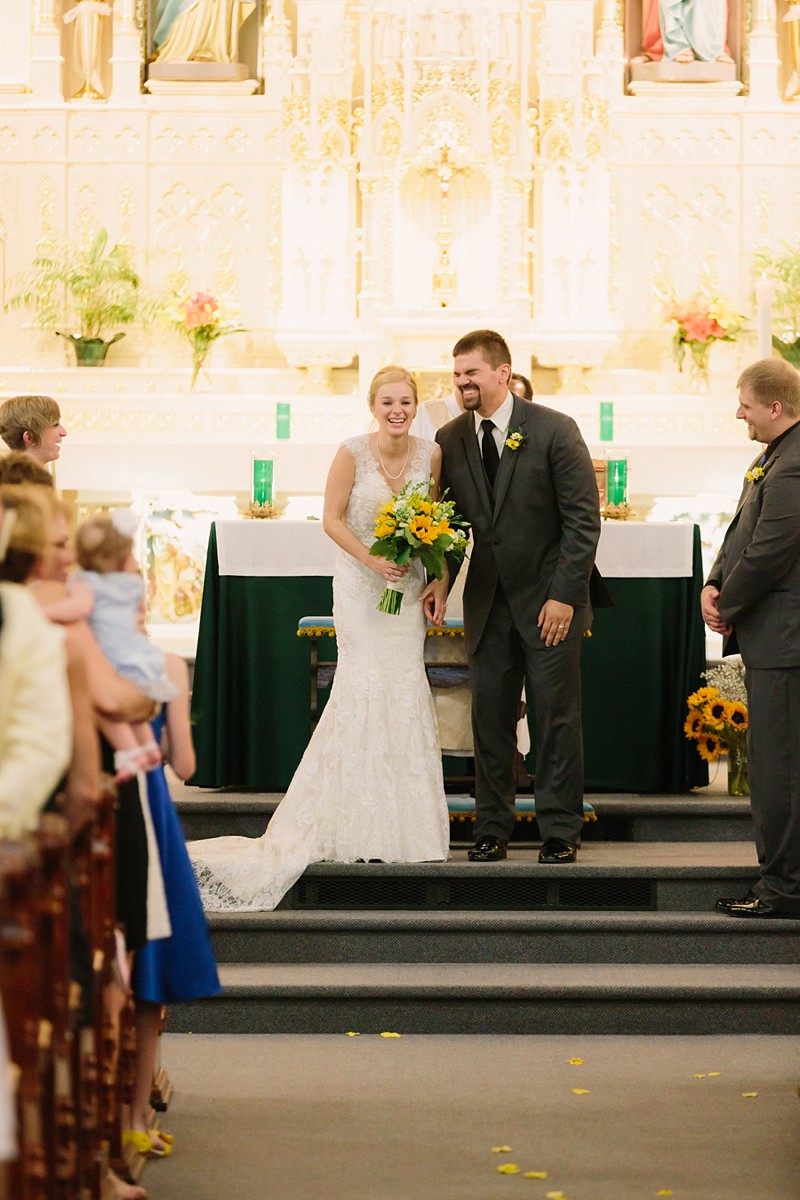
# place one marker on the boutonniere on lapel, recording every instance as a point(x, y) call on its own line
point(756, 474)
point(516, 438)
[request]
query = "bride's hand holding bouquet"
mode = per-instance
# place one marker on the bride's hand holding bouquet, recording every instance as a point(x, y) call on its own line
point(414, 525)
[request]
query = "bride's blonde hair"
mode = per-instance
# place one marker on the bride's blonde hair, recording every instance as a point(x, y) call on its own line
point(392, 374)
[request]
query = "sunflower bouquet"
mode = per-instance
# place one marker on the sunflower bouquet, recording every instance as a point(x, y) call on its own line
point(717, 722)
point(413, 525)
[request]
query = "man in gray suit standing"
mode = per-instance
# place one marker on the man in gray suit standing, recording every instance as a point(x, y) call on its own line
point(752, 598)
point(522, 476)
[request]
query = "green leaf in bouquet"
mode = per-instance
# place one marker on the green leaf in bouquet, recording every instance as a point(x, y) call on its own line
point(383, 548)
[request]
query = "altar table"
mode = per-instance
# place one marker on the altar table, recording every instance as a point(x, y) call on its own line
point(250, 699)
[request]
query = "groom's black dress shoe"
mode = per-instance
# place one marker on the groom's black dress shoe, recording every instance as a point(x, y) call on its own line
point(487, 849)
point(556, 850)
point(758, 909)
point(726, 903)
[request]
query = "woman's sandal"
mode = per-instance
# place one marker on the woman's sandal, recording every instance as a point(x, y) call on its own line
point(143, 1143)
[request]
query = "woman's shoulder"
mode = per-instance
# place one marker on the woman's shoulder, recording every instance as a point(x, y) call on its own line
point(356, 445)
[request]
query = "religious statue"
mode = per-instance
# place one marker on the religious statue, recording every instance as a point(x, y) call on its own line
point(86, 18)
point(684, 30)
point(792, 19)
point(199, 30)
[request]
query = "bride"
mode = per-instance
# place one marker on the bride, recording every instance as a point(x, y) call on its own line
point(369, 786)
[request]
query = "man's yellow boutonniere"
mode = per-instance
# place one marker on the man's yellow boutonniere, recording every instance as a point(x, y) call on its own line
point(515, 439)
point(756, 474)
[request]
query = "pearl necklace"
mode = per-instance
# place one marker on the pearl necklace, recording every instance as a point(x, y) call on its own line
point(402, 470)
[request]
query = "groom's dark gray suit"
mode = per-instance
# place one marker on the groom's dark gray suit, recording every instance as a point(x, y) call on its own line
point(757, 572)
point(535, 538)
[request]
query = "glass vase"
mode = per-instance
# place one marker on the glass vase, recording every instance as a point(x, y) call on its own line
point(738, 778)
point(698, 367)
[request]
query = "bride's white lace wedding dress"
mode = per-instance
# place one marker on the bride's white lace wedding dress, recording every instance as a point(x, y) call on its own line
point(369, 785)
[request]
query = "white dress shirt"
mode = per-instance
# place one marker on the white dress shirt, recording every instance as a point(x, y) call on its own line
point(501, 418)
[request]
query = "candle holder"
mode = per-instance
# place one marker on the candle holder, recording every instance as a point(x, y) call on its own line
point(262, 491)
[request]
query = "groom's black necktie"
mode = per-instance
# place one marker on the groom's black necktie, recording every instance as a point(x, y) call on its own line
point(491, 459)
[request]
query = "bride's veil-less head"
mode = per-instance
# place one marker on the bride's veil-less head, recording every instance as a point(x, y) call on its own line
point(391, 374)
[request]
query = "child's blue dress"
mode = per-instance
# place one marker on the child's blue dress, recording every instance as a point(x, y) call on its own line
point(113, 621)
point(180, 967)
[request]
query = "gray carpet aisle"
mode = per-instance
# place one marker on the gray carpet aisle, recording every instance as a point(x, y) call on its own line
point(287, 1117)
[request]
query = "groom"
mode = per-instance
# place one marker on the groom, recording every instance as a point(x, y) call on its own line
point(522, 476)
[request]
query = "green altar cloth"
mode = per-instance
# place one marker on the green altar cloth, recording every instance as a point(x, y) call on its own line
point(250, 702)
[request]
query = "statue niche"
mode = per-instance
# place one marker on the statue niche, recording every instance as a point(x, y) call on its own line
point(683, 41)
point(199, 40)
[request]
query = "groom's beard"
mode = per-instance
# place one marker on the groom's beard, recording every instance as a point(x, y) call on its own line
point(472, 402)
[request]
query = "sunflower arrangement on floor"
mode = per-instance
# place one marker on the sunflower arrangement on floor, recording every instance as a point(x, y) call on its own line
point(717, 721)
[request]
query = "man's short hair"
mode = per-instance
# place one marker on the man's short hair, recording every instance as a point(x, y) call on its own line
point(18, 467)
point(491, 345)
point(772, 379)
point(27, 414)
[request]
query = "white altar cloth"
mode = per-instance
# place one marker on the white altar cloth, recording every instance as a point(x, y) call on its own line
point(627, 549)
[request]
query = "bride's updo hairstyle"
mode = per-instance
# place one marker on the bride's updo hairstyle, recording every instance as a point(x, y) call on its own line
point(392, 374)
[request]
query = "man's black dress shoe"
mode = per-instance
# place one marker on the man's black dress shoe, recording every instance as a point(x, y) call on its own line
point(556, 850)
point(757, 908)
point(726, 903)
point(487, 849)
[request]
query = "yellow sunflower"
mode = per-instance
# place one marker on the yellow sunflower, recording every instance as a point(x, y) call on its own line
point(423, 528)
point(709, 747)
point(701, 696)
point(693, 725)
point(717, 710)
point(385, 526)
point(736, 714)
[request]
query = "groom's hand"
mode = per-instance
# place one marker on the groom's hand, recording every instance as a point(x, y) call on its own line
point(434, 600)
point(554, 621)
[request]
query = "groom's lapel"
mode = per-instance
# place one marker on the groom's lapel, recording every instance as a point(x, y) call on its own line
point(474, 461)
point(508, 459)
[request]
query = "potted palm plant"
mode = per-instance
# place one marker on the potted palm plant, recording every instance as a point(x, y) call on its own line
point(783, 267)
point(86, 287)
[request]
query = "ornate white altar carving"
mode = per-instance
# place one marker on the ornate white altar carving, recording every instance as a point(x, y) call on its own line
point(406, 171)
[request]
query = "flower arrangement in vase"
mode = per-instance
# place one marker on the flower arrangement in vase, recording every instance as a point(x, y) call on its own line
point(697, 324)
point(200, 317)
point(717, 721)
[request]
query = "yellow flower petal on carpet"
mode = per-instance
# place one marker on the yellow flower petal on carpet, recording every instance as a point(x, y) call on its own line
point(351, 1034)
point(501, 1149)
point(575, 1062)
point(534, 1174)
point(390, 1035)
point(581, 1092)
point(507, 1169)
point(699, 1076)
point(554, 1196)
point(714, 1074)
point(665, 1192)
point(749, 1095)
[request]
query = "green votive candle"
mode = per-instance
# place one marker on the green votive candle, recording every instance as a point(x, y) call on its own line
point(283, 417)
point(262, 480)
point(606, 420)
point(617, 492)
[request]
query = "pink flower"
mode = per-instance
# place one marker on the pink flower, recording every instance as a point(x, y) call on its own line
point(200, 309)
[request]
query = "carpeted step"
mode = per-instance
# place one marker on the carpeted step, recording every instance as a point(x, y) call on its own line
point(457, 998)
point(288, 936)
point(620, 818)
point(610, 876)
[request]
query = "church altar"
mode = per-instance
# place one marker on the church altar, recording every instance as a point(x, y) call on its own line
point(363, 182)
point(250, 701)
